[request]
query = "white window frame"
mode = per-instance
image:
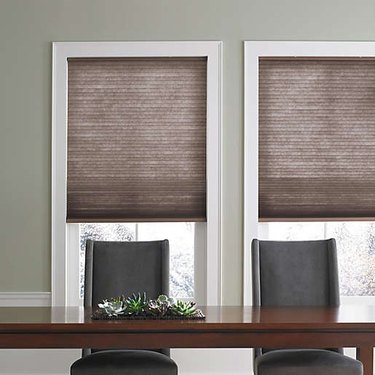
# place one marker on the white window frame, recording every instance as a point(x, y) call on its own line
point(253, 51)
point(65, 252)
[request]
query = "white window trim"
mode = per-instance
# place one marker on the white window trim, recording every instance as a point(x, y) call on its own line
point(64, 268)
point(254, 50)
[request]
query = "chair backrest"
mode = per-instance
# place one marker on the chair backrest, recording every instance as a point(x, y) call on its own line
point(123, 268)
point(294, 273)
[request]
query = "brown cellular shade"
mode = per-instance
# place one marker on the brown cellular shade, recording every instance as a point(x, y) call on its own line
point(316, 138)
point(136, 139)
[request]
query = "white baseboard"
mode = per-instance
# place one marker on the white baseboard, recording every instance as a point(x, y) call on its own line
point(25, 299)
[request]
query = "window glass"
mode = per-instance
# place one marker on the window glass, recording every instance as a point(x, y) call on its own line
point(181, 244)
point(355, 249)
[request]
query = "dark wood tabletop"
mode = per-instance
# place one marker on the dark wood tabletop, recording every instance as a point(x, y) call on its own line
point(224, 327)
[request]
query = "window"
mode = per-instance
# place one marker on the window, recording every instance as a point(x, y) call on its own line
point(308, 144)
point(181, 238)
point(355, 248)
point(65, 237)
point(137, 153)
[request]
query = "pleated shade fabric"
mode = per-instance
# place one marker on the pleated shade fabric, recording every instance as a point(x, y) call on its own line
point(316, 138)
point(136, 139)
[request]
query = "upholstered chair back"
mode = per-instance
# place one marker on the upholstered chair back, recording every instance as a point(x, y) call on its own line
point(294, 273)
point(123, 268)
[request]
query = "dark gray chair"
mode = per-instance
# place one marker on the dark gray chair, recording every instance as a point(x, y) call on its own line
point(298, 273)
point(113, 269)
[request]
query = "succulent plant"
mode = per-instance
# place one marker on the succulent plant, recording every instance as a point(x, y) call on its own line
point(182, 308)
point(136, 304)
point(160, 306)
point(113, 307)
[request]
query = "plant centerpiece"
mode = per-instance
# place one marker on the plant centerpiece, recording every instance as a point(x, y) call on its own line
point(138, 306)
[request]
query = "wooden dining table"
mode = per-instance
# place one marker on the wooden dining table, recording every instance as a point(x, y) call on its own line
point(223, 327)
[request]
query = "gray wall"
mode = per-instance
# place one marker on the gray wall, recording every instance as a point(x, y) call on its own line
point(27, 28)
